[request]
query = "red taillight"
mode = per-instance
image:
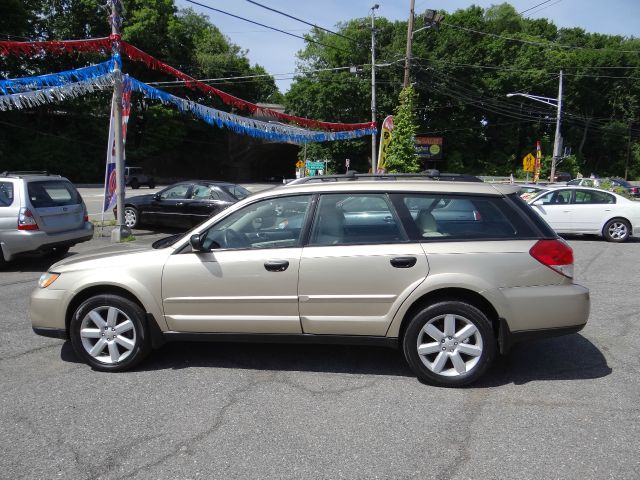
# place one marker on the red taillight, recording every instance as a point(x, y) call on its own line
point(634, 189)
point(555, 254)
point(26, 220)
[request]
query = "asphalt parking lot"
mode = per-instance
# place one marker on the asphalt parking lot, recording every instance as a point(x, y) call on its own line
point(560, 408)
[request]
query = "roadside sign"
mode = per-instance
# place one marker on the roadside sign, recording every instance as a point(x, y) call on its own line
point(528, 163)
point(315, 165)
point(299, 164)
point(346, 163)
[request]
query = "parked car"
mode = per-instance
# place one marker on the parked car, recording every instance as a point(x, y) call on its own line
point(561, 177)
point(450, 293)
point(616, 183)
point(134, 177)
point(40, 213)
point(181, 205)
point(584, 210)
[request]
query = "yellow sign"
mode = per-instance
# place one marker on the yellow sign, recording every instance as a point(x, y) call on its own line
point(299, 164)
point(528, 163)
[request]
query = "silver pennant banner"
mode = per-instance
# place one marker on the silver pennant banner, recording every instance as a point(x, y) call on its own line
point(55, 94)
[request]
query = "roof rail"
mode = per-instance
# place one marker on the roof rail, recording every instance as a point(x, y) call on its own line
point(18, 173)
point(432, 175)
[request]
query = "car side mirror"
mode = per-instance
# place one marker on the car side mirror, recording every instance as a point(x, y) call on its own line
point(157, 196)
point(197, 244)
point(538, 202)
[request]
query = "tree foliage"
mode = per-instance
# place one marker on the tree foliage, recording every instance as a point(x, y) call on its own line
point(401, 155)
point(461, 74)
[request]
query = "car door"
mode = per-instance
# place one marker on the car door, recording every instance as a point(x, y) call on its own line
point(590, 209)
point(167, 207)
point(247, 283)
point(554, 206)
point(357, 267)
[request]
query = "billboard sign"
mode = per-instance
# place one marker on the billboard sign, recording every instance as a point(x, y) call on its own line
point(429, 148)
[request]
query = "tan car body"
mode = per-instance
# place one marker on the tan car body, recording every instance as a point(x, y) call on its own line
point(327, 290)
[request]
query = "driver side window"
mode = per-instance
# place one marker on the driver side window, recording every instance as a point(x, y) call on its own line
point(176, 192)
point(269, 223)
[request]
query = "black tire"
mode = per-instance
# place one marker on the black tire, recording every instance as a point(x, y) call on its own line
point(136, 336)
point(617, 230)
point(134, 184)
point(131, 217)
point(437, 365)
point(152, 184)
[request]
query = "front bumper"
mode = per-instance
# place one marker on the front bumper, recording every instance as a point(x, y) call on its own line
point(17, 242)
point(47, 310)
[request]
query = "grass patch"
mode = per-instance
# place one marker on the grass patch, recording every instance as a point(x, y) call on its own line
point(130, 238)
point(105, 223)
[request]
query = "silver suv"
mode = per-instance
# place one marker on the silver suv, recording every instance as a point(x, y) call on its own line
point(449, 272)
point(40, 213)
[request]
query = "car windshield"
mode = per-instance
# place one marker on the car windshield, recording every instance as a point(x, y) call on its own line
point(236, 191)
point(621, 182)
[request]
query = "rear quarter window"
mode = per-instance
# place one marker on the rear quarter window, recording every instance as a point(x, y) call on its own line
point(57, 193)
point(6, 194)
point(446, 216)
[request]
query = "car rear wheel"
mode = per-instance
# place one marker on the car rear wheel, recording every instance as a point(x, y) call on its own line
point(131, 218)
point(109, 333)
point(616, 230)
point(449, 344)
point(134, 184)
point(60, 251)
point(152, 184)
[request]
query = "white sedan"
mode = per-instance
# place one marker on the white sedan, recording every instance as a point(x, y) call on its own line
point(583, 210)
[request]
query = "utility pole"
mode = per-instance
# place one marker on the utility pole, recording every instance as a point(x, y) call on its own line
point(557, 142)
point(373, 87)
point(121, 231)
point(407, 58)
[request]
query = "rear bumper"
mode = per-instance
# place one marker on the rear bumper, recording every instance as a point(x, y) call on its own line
point(17, 242)
point(508, 339)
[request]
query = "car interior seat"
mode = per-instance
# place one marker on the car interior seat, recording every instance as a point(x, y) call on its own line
point(427, 224)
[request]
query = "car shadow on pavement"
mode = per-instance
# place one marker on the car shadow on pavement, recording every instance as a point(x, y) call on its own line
point(38, 263)
point(572, 357)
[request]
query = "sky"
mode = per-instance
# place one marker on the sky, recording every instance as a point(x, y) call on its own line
point(276, 52)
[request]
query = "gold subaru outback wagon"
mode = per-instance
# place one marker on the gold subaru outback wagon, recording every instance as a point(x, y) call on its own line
point(450, 272)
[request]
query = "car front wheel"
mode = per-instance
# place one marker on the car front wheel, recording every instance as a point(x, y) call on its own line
point(109, 333)
point(616, 230)
point(449, 344)
point(131, 218)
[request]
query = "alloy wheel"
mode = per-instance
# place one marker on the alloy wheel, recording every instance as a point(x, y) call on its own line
point(449, 345)
point(108, 334)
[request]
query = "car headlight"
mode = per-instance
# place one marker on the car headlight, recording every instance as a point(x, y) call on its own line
point(47, 279)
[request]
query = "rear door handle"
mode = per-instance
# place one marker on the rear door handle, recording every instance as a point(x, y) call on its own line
point(403, 262)
point(276, 265)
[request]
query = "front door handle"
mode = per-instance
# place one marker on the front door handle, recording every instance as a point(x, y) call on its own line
point(276, 265)
point(403, 262)
point(180, 204)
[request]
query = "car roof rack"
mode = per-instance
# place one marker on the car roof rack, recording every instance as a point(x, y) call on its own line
point(21, 173)
point(432, 175)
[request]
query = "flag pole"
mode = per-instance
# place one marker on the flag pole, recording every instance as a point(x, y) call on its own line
point(121, 231)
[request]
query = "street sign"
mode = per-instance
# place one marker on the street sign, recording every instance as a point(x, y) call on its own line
point(315, 165)
point(346, 163)
point(299, 164)
point(528, 163)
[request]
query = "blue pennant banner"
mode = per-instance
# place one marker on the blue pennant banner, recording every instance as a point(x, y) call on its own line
point(25, 84)
point(246, 126)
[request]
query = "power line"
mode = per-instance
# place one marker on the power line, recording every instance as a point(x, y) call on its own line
point(545, 44)
point(266, 26)
point(545, 7)
point(535, 6)
point(302, 21)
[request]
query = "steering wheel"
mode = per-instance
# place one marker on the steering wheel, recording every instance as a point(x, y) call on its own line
point(233, 239)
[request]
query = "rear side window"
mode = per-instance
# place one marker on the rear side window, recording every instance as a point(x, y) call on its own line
point(6, 194)
point(348, 219)
point(56, 193)
point(454, 217)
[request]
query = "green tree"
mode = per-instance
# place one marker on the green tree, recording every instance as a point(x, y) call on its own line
point(401, 155)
